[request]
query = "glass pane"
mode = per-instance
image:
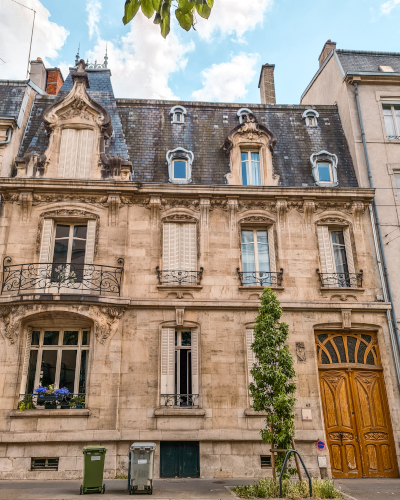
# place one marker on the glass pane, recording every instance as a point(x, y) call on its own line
point(245, 173)
point(35, 337)
point(30, 383)
point(179, 169)
point(70, 338)
point(397, 179)
point(80, 232)
point(48, 368)
point(389, 123)
point(262, 236)
point(247, 236)
point(324, 172)
point(67, 372)
point(51, 338)
point(248, 263)
point(178, 117)
point(337, 237)
point(176, 338)
point(62, 231)
point(85, 338)
point(186, 338)
point(52, 462)
point(340, 259)
point(184, 375)
point(255, 156)
point(263, 252)
point(255, 172)
point(60, 251)
point(244, 156)
point(83, 373)
point(78, 252)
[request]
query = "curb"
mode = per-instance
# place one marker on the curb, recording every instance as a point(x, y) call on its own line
point(348, 497)
point(230, 490)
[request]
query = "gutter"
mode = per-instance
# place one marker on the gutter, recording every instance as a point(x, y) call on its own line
point(9, 134)
point(387, 292)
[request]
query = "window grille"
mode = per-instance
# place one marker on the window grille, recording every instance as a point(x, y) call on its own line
point(334, 348)
point(265, 461)
point(44, 463)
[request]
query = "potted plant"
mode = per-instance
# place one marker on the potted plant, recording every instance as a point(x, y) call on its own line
point(77, 402)
point(26, 403)
point(61, 395)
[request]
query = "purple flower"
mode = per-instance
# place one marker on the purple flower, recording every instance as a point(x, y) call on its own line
point(62, 392)
point(41, 390)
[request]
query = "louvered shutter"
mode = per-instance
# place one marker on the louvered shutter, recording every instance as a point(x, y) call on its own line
point(170, 246)
point(68, 147)
point(188, 250)
point(271, 249)
point(76, 150)
point(250, 355)
point(325, 249)
point(84, 154)
point(46, 249)
point(349, 251)
point(90, 241)
point(167, 361)
point(195, 363)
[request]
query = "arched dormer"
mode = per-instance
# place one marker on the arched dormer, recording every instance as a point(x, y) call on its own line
point(311, 117)
point(250, 146)
point(242, 112)
point(178, 114)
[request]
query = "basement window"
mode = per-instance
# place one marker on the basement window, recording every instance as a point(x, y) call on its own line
point(266, 461)
point(44, 464)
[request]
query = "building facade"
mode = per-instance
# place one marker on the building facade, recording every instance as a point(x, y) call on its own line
point(137, 238)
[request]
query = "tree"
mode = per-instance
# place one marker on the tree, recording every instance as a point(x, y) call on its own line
point(185, 12)
point(273, 374)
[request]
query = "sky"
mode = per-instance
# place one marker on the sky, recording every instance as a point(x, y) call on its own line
point(219, 62)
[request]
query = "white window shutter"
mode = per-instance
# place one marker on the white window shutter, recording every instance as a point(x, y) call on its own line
point(168, 361)
point(187, 247)
point(195, 363)
point(90, 241)
point(251, 358)
point(170, 246)
point(325, 249)
point(46, 250)
point(84, 154)
point(349, 251)
point(271, 249)
point(75, 153)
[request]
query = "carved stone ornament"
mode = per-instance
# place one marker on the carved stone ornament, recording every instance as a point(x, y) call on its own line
point(269, 206)
point(179, 315)
point(251, 129)
point(346, 318)
point(301, 352)
point(333, 220)
point(168, 203)
point(40, 199)
point(256, 219)
point(31, 165)
point(25, 200)
point(106, 320)
point(324, 206)
point(74, 214)
point(358, 209)
point(11, 316)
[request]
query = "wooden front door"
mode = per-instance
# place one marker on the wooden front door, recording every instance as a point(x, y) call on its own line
point(357, 421)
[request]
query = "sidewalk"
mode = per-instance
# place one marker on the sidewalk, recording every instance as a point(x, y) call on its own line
point(200, 489)
point(370, 489)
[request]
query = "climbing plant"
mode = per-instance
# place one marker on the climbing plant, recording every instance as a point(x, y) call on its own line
point(185, 12)
point(273, 373)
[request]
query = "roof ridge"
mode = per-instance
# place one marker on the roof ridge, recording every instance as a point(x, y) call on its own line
point(367, 52)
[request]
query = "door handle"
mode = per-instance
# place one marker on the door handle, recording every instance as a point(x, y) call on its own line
point(356, 439)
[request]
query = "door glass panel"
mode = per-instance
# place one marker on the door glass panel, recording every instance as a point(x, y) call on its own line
point(80, 232)
point(70, 338)
point(67, 371)
point(60, 254)
point(48, 368)
point(51, 338)
point(30, 383)
point(83, 373)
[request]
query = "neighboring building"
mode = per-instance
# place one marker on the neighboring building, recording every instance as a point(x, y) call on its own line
point(366, 88)
point(137, 238)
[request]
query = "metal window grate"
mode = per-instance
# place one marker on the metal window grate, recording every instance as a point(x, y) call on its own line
point(352, 348)
point(44, 464)
point(265, 461)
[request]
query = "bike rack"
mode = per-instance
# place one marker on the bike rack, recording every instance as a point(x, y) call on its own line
point(284, 467)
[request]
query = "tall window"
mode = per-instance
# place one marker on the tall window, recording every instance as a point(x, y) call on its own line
point(183, 365)
point(339, 254)
point(179, 253)
point(251, 172)
point(76, 150)
point(391, 114)
point(324, 172)
point(59, 357)
point(179, 170)
point(69, 250)
point(255, 256)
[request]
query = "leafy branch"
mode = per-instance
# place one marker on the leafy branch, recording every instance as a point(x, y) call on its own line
point(185, 12)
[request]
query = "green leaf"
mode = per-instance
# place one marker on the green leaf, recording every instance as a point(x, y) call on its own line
point(131, 8)
point(166, 9)
point(157, 19)
point(165, 26)
point(203, 10)
point(147, 8)
point(185, 19)
point(210, 3)
point(157, 5)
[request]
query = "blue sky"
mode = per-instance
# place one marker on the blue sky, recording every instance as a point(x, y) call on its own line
point(220, 61)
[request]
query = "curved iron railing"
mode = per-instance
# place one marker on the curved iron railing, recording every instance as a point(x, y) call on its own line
point(341, 280)
point(52, 401)
point(181, 400)
point(284, 467)
point(172, 277)
point(53, 277)
point(260, 278)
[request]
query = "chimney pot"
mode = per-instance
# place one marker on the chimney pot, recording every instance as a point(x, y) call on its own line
point(327, 48)
point(266, 84)
point(38, 73)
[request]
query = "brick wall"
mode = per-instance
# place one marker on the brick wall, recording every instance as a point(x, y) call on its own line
point(54, 81)
point(267, 84)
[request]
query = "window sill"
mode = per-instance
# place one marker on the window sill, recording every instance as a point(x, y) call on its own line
point(278, 288)
point(50, 413)
point(249, 412)
point(179, 287)
point(179, 412)
point(341, 289)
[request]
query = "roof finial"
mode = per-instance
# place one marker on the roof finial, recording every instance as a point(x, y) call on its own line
point(106, 58)
point(77, 55)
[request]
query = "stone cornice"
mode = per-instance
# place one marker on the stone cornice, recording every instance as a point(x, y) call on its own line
point(372, 78)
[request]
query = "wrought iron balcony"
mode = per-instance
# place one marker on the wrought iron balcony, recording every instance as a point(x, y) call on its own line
point(181, 400)
point(59, 278)
point(260, 278)
point(341, 280)
point(171, 277)
point(51, 402)
point(393, 137)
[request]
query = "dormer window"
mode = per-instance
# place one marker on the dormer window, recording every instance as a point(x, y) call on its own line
point(76, 150)
point(311, 117)
point(251, 171)
point(324, 172)
point(178, 114)
point(386, 69)
point(324, 169)
point(180, 165)
point(242, 112)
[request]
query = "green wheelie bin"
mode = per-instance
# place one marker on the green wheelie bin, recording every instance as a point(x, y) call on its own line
point(93, 468)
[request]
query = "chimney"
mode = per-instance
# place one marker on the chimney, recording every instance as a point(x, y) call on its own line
point(266, 84)
point(325, 51)
point(38, 73)
point(55, 81)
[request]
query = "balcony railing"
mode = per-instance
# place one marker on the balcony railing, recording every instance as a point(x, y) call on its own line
point(260, 278)
point(341, 280)
point(51, 402)
point(56, 278)
point(171, 277)
point(393, 137)
point(180, 400)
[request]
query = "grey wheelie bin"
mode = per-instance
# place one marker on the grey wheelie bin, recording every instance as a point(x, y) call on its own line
point(93, 467)
point(141, 468)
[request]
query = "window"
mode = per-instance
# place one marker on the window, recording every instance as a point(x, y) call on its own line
point(179, 367)
point(258, 257)
point(242, 112)
point(76, 150)
point(265, 461)
point(391, 115)
point(386, 69)
point(180, 253)
point(44, 464)
point(69, 250)
point(58, 357)
point(311, 117)
point(178, 114)
point(179, 170)
point(324, 172)
point(324, 168)
point(179, 162)
point(251, 172)
point(397, 179)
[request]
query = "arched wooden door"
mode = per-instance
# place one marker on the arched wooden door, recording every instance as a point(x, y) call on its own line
point(357, 420)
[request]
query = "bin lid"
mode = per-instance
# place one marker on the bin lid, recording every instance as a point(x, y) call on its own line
point(85, 449)
point(138, 445)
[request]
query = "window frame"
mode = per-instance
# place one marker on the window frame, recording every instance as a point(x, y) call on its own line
point(396, 125)
point(179, 154)
point(325, 162)
point(248, 151)
point(175, 111)
point(179, 179)
point(255, 243)
point(179, 347)
point(70, 238)
point(46, 463)
point(308, 114)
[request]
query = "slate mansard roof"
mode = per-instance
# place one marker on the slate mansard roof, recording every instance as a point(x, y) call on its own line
point(369, 62)
point(11, 97)
point(144, 133)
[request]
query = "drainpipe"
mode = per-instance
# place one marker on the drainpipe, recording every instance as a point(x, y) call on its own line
point(380, 253)
point(7, 141)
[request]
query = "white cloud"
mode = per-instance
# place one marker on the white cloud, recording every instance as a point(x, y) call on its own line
point(227, 81)
point(387, 7)
point(230, 17)
point(141, 62)
point(93, 8)
point(15, 35)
